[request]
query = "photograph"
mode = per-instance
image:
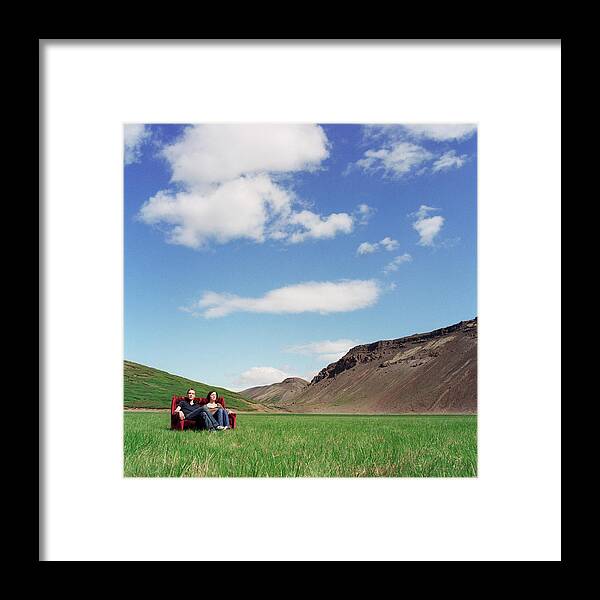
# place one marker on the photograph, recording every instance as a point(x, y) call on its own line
point(300, 300)
point(296, 279)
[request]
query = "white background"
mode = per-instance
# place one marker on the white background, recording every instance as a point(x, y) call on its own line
point(512, 510)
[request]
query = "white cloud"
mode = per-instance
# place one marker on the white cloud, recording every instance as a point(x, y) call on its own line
point(364, 212)
point(449, 160)
point(325, 350)
point(387, 243)
point(395, 160)
point(427, 227)
point(324, 297)
point(243, 208)
point(390, 132)
point(317, 227)
point(394, 265)
point(442, 132)
point(221, 152)
point(256, 376)
point(135, 135)
point(227, 189)
point(424, 211)
point(366, 248)
point(396, 153)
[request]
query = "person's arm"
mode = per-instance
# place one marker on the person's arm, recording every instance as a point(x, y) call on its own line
point(181, 415)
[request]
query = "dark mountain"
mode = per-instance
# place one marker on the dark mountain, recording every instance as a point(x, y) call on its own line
point(434, 372)
point(276, 393)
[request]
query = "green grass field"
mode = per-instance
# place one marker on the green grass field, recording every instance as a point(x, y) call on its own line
point(304, 446)
point(146, 387)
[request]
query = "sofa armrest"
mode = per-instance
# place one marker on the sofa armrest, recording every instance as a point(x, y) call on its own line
point(232, 419)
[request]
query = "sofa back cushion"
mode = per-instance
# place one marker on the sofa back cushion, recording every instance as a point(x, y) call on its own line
point(177, 399)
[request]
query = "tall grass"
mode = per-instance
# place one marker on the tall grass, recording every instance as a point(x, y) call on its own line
point(305, 446)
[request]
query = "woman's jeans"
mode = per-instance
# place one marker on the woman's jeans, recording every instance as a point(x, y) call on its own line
point(222, 417)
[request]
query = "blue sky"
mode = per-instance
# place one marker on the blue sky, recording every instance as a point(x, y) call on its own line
point(256, 252)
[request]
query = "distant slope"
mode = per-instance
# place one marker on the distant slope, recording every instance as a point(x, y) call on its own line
point(432, 372)
point(276, 392)
point(146, 387)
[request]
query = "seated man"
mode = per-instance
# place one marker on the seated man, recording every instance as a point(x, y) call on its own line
point(190, 409)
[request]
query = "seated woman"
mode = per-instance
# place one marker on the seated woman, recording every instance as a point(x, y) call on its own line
point(220, 414)
point(190, 409)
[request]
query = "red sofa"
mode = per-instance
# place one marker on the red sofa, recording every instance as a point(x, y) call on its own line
point(177, 423)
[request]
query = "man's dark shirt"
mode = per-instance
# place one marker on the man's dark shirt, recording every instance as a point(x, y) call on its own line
point(187, 408)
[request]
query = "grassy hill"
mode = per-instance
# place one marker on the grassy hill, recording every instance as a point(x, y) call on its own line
point(146, 387)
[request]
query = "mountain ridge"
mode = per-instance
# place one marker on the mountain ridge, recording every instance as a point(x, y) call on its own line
point(434, 371)
point(276, 392)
